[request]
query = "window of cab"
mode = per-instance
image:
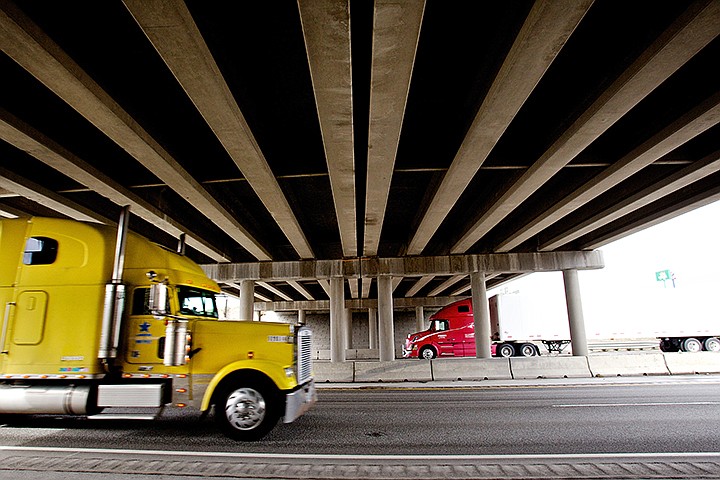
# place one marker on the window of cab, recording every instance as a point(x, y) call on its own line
point(197, 302)
point(440, 325)
point(40, 251)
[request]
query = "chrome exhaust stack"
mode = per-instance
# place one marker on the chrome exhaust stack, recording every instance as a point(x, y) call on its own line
point(115, 295)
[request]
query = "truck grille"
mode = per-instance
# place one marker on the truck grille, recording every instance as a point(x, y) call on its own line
point(304, 355)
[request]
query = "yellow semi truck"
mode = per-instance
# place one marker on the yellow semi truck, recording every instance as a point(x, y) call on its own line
point(96, 319)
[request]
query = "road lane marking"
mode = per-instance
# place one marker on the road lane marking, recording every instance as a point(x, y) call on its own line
point(344, 457)
point(639, 404)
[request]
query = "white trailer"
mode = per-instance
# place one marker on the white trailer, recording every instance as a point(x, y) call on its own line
point(685, 320)
point(520, 318)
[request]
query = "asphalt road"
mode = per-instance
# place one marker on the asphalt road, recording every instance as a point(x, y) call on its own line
point(506, 423)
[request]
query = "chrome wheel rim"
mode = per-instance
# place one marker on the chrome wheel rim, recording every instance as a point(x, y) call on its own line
point(245, 408)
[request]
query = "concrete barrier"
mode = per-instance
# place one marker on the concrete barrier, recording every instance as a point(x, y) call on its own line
point(453, 369)
point(519, 368)
point(350, 354)
point(396, 371)
point(362, 354)
point(550, 367)
point(627, 364)
point(321, 355)
point(679, 363)
point(334, 372)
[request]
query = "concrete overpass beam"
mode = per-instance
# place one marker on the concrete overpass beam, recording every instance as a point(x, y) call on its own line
point(426, 267)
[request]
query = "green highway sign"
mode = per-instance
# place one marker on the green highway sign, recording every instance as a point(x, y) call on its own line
point(662, 275)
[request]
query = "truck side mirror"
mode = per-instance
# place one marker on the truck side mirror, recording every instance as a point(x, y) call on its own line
point(157, 302)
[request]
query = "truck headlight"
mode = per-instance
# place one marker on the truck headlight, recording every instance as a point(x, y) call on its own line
point(289, 372)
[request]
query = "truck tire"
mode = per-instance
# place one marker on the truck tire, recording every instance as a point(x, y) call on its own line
point(428, 353)
point(527, 350)
point(666, 346)
point(247, 410)
point(505, 350)
point(691, 345)
point(712, 344)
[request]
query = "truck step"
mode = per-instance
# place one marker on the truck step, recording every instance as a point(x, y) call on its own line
point(122, 416)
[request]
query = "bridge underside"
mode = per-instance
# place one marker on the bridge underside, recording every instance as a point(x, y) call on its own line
point(338, 130)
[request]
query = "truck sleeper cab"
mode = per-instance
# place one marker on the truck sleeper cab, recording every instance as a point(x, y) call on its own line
point(75, 339)
point(452, 333)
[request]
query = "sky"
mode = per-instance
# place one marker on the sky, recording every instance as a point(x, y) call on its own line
point(626, 299)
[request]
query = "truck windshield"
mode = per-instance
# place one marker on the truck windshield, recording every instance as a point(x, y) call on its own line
point(194, 301)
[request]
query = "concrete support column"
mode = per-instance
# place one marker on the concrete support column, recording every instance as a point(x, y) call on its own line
point(385, 320)
point(419, 319)
point(578, 338)
point(373, 327)
point(247, 299)
point(337, 312)
point(481, 314)
point(347, 320)
point(301, 317)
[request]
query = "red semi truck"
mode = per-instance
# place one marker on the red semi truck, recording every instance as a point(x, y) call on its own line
point(515, 326)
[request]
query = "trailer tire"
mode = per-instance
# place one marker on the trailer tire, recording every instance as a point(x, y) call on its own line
point(691, 345)
point(247, 408)
point(527, 350)
point(712, 344)
point(666, 346)
point(505, 350)
point(428, 353)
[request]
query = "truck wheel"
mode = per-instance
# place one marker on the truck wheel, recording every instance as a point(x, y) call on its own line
point(527, 350)
point(505, 350)
point(247, 412)
point(691, 345)
point(712, 344)
point(428, 353)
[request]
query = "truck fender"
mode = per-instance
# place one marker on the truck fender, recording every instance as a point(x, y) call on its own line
point(272, 371)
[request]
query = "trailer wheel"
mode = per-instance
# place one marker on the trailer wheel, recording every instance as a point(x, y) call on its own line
point(428, 353)
point(247, 410)
point(666, 345)
point(712, 344)
point(527, 350)
point(692, 345)
point(506, 350)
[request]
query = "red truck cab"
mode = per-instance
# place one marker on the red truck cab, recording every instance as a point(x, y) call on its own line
point(451, 334)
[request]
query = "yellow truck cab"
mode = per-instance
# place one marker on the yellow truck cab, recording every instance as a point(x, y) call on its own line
point(82, 331)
